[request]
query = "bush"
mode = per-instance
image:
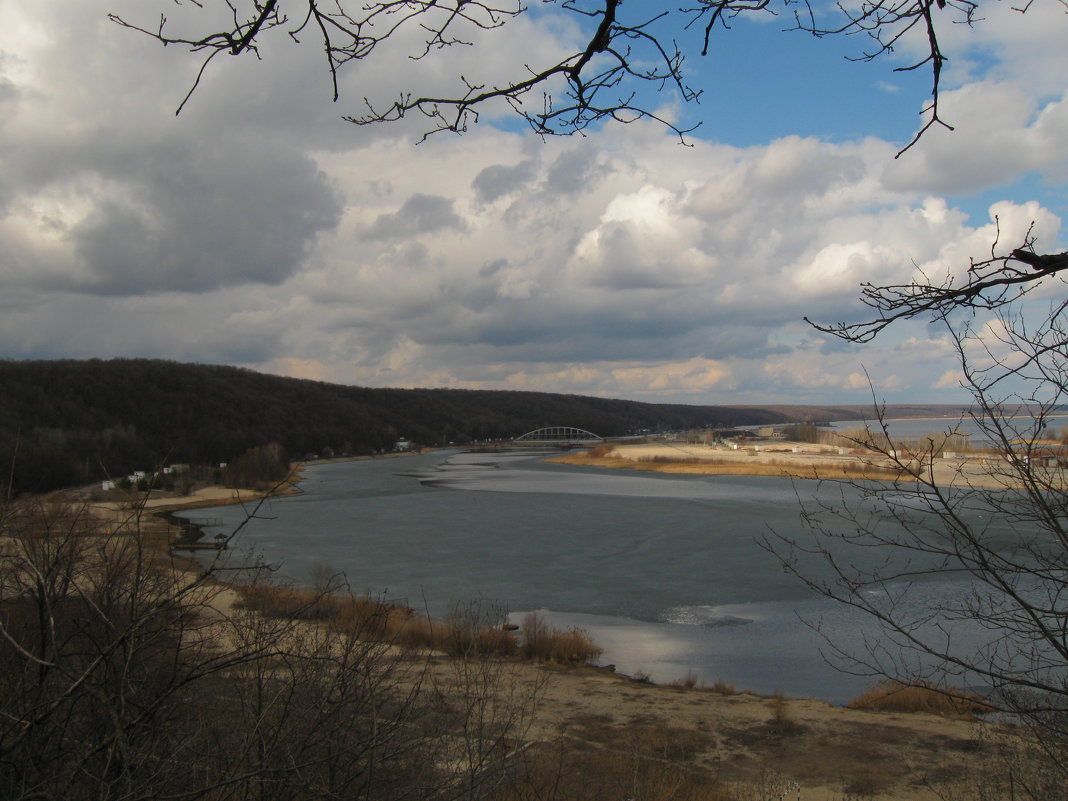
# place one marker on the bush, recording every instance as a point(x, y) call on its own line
point(546, 643)
point(921, 696)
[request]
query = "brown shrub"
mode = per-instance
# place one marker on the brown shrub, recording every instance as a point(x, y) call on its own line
point(920, 696)
point(546, 643)
point(483, 641)
point(687, 682)
point(292, 603)
point(363, 616)
point(782, 722)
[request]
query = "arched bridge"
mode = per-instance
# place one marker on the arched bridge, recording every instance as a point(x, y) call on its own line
point(558, 435)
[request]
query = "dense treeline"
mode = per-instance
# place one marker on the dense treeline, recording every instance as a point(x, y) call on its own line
point(68, 422)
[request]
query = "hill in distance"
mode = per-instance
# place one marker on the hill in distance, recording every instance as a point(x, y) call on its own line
point(68, 422)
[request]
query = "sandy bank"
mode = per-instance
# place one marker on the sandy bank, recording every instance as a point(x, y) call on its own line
point(789, 460)
point(832, 753)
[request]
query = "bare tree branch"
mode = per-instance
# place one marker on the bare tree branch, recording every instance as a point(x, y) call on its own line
point(625, 52)
point(988, 284)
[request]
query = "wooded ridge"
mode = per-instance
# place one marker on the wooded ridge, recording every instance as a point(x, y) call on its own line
point(68, 422)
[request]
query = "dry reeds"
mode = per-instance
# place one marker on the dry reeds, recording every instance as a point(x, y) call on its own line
point(546, 643)
point(687, 682)
point(721, 687)
point(466, 631)
point(604, 450)
point(920, 696)
point(785, 468)
point(779, 468)
point(378, 621)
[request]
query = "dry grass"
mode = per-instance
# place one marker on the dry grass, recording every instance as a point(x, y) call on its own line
point(606, 456)
point(779, 468)
point(463, 633)
point(687, 682)
point(691, 682)
point(896, 696)
point(545, 643)
point(781, 721)
point(375, 620)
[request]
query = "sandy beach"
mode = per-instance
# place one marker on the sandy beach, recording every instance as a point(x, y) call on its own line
point(832, 753)
point(789, 460)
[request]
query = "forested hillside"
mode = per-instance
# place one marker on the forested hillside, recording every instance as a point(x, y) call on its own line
point(69, 422)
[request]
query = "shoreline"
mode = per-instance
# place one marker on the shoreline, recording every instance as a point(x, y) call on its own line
point(794, 460)
point(164, 509)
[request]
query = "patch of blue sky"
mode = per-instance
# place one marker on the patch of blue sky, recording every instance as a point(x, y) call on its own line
point(1030, 186)
point(761, 81)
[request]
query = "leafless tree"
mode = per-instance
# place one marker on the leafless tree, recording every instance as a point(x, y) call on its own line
point(488, 701)
point(985, 285)
point(997, 520)
point(625, 50)
point(124, 675)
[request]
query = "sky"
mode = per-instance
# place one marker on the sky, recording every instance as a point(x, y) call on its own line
point(258, 228)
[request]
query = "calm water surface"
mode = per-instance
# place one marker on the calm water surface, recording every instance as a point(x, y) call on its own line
point(666, 572)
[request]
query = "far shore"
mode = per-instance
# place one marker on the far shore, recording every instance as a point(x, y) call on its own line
point(795, 460)
point(151, 512)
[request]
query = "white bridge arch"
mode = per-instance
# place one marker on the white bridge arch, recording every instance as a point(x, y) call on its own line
point(559, 434)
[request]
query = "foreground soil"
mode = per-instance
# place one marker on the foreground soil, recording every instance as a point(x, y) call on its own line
point(828, 753)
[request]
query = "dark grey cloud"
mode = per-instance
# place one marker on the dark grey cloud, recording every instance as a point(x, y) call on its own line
point(83, 326)
point(198, 219)
point(574, 171)
point(523, 337)
point(9, 92)
point(499, 180)
point(491, 268)
point(420, 214)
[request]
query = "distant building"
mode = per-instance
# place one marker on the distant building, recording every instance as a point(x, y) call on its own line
point(1046, 457)
point(402, 445)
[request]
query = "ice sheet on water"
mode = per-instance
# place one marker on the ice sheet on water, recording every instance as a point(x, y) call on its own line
point(703, 615)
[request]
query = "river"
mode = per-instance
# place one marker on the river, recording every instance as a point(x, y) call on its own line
point(667, 573)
